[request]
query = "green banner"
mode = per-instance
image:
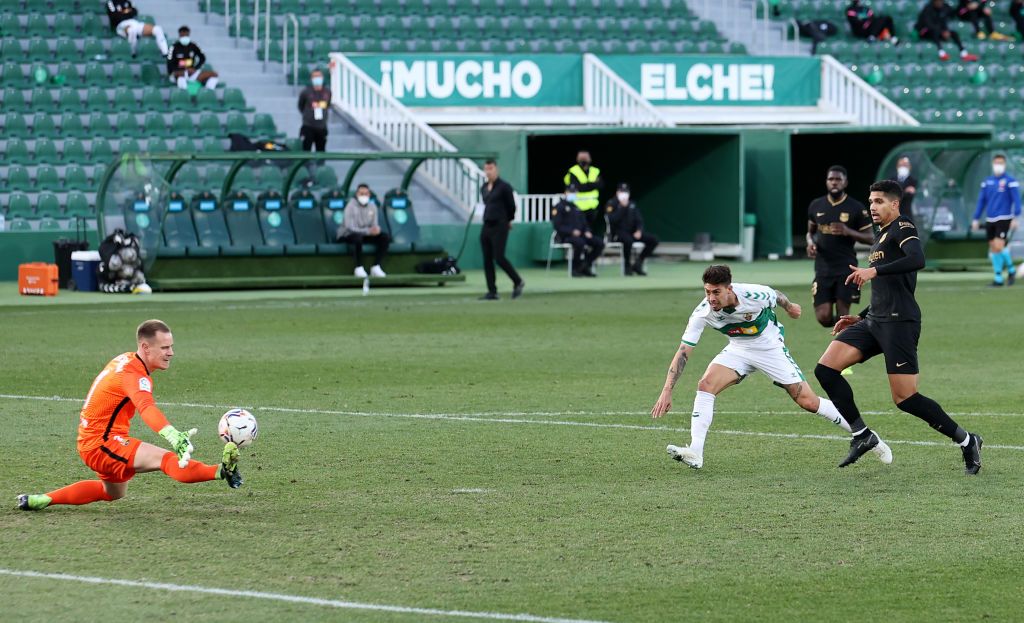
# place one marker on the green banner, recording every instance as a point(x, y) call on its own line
point(721, 80)
point(477, 80)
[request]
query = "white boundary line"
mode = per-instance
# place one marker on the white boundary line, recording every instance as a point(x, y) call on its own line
point(518, 418)
point(330, 603)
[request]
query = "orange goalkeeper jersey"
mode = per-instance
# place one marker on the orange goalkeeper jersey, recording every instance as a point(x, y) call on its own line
point(123, 388)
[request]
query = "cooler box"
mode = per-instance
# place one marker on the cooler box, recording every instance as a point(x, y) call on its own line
point(85, 267)
point(37, 278)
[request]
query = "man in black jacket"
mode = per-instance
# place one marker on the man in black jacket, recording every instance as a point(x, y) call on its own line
point(572, 227)
point(909, 184)
point(314, 102)
point(866, 24)
point(933, 25)
point(499, 212)
point(185, 62)
point(122, 15)
point(626, 225)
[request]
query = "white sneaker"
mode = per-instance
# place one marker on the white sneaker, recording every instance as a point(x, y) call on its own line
point(377, 271)
point(360, 272)
point(686, 455)
point(883, 451)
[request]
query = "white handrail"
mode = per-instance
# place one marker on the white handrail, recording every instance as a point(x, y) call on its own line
point(846, 92)
point(609, 99)
point(295, 49)
point(227, 18)
point(266, 31)
point(357, 95)
point(535, 208)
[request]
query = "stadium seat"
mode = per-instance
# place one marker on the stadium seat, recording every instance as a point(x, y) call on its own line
point(275, 221)
point(18, 178)
point(243, 225)
point(99, 125)
point(307, 221)
point(45, 152)
point(211, 229)
point(179, 234)
point(77, 206)
point(47, 178)
point(17, 152)
point(47, 205)
point(19, 205)
point(75, 178)
point(332, 209)
point(15, 126)
point(102, 152)
point(43, 125)
point(143, 219)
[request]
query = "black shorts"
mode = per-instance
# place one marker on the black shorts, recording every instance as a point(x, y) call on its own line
point(896, 340)
point(997, 229)
point(832, 288)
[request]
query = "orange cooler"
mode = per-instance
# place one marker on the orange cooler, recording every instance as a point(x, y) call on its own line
point(37, 278)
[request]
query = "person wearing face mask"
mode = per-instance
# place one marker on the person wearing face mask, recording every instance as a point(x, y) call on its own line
point(909, 184)
point(571, 227)
point(1000, 201)
point(626, 225)
point(360, 225)
point(314, 102)
point(587, 178)
point(834, 223)
point(185, 61)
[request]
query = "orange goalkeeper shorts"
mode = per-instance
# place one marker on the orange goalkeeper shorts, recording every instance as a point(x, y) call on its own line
point(114, 461)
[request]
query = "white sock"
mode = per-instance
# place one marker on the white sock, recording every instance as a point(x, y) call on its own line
point(182, 82)
point(161, 40)
point(703, 413)
point(965, 442)
point(827, 410)
point(211, 83)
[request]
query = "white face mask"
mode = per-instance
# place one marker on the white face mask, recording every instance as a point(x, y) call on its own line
point(363, 199)
point(623, 197)
point(184, 40)
point(570, 197)
point(903, 172)
point(998, 169)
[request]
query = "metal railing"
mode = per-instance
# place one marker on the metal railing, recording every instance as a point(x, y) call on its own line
point(227, 18)
point(266, 31)
point(357, 95)
point(535, 208)
point(608, 99)
point(295, 49)
point(845, 92)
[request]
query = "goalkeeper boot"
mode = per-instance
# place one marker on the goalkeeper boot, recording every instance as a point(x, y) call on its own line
point(27, 502)
point(859, 447)
point(686, 455)
point(229, 466)
point(972, 454)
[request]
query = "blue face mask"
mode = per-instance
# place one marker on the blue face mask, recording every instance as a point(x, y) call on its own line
point(570, 197)
point(184, 40)
point(318, 82)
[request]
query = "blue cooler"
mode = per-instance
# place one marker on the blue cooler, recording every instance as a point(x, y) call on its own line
point(85, 266)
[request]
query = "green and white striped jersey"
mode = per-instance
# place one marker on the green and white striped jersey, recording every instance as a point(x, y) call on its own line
point(751, 323)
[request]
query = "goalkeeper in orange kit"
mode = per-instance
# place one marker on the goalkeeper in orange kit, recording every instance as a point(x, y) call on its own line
point(121, 390)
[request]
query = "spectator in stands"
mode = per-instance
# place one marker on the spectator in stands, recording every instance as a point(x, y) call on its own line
point(978, 14)
point(933, 25)
point(1017, 13)
point(499, 212)
point(361, 225)
point(589, 183)
point(314, 102)
point(865, 24)
point(572, 227)
point(626, 225)
point(122, 16)
point(909, 184)
point(185, 62)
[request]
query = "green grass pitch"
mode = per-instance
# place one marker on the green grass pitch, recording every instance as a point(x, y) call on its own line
point(423, 450)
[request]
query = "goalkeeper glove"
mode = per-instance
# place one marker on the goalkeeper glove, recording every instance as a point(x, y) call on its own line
point(179, 443)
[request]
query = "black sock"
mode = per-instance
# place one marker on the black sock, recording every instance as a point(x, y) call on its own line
point(930, 411)
point(841, 394)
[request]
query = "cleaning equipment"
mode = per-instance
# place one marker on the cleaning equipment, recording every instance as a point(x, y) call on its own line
point(37, 278)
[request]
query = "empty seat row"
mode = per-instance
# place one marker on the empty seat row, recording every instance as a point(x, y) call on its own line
point(101, 150)
point(47, 178)
point(121, 99)
point(88, 74)
point(639, 8)
point(36, 24)
point(47, 49)
point(127, 124)
point(76, 204)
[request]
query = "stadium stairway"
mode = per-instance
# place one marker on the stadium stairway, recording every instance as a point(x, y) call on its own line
point(269, 93)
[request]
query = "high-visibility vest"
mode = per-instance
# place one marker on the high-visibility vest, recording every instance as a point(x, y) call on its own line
point(585, 199)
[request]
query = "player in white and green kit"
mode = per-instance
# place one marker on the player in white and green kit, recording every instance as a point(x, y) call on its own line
point(745, 314)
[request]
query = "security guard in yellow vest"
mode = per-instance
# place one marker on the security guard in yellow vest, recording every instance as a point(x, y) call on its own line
point(588, 180)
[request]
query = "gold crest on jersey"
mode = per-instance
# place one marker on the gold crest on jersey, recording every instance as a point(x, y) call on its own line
point(844, 217)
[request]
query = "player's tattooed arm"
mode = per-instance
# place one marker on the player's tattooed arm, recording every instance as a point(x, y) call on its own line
point(791, 308)
point(675, 369)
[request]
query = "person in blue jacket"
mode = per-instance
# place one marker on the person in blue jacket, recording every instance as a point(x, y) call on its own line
point(1000, 201)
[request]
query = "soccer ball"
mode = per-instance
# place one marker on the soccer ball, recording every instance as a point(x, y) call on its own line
point(239, 426)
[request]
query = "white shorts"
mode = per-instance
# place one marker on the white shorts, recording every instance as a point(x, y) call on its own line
point(776, 363)
point(130, 29)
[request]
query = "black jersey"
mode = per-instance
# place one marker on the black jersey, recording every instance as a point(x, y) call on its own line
point(897, 255)
point(835, 251)
point(184, 58)
point(120, 10)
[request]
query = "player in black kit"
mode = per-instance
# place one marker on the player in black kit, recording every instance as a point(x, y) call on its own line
point(834, 223)
point(891, 326)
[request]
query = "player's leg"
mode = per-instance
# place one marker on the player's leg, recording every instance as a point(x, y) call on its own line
point(112, 462)
point(899, 341)
point(150, 458)
point(822, 291)
point(995, 251)
point(155, 31)
point(724, 370)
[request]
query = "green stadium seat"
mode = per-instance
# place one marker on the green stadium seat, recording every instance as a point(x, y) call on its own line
point(307, 220)
point(235, 124)
point(153, 75)
point(96, 98)
point(235, 100)
point(179, 234)
point(14, 101)
point(43, 125)
point(37, 25)
point(48, 223)
point(206, 100)
point(38, 50)
point(64, 26)
point(153, 100)
point(127, 124)
point(332, 210)
point(17, 152)
point(123, 99)
point(157, 145)
point(12, 74)
point(19, 205)
point(263, 126)
point(45, 151)
point(18, 178)
point(99, 125)
point(325, 177)
point(47, 178)
point(184, 145)
point(65, 49)
point(211, 144)
point(75, 178)
point(93, 47)
point(243, 225)
point(94, 74)
point(15, 126)
point(181, 124)
point(400, 220)
point(179, 99)
point(271, 178)
point(275, 222)
point(101, 152)
point(19, 224)
point(77, 206)
point(209, 125)
point(211, 229)
point(47, 205)
point(155, 125)
point(188, 178)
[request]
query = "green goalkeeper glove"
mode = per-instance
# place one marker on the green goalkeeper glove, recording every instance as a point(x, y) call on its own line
point(179, 443)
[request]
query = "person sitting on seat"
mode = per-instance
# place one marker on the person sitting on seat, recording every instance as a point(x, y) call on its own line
point(626, 225)
point(571, 227)
point(361, 225)
point(185, 62)
point(865, 24)
point(933, 25)
point(122, 14)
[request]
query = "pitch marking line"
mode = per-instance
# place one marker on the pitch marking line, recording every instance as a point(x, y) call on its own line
point(519, 420)
point(330, 603)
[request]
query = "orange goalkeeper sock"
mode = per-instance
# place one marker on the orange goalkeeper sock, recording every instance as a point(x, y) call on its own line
point(82, 492)
point(193, 472)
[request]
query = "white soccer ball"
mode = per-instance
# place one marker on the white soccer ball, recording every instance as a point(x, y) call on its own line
point(239, 426)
